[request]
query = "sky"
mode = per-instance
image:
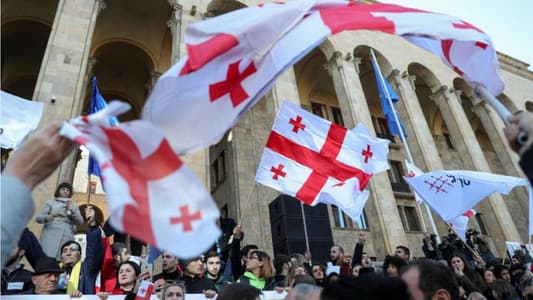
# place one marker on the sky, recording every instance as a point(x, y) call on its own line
point(506, 22)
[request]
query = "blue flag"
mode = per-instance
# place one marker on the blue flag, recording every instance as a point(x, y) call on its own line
point(387, 109)
point(97, 103)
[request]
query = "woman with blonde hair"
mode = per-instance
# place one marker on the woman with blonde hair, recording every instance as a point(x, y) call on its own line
point(259, 273)
point(173, 291)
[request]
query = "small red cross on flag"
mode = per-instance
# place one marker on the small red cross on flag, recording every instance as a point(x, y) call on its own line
point(297, 124)
point(278, 171)
point(145, 290)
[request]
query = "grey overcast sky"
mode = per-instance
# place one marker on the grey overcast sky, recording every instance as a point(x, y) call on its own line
point(508, 23)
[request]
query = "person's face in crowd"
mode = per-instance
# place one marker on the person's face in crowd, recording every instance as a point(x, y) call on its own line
point(515, 260)
point(174, 293)
point(168, 262)
point(300, 271)
point(64, 192)
point(318, 273)
point(458, 264)
point(253, 262)
point(126, 275)
point(122, 257)
point(213, 265)
point(70, 254)
point(195, 267)
point(506, 275)
point(334, 253)
point(245, 258)
point(366, 261)
point(45, 283)
point(392, 271)
point(489, 277)
point(355, 271)
point(401, 254)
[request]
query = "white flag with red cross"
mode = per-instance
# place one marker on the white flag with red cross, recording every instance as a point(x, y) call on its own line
point(145, 290)
point(317, 161)
point(233, 60)
point(460, 223)
point(451, 193)
point(151, 194)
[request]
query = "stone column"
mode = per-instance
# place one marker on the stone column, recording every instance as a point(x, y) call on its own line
point(62, 75)
point(355, 109)
point(421, 143)
point(519, 201)
point(174, 23)
point(467, 146)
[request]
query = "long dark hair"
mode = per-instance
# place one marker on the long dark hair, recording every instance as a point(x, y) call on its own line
point(135, 267)
point(63, 185)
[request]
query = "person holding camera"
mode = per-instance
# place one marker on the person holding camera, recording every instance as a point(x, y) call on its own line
point(430, 247)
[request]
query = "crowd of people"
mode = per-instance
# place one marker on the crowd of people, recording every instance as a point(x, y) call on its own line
point(452, 269)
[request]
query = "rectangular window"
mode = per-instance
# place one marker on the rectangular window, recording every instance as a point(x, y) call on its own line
point(448, 140)
point(382, 128)
point(396, 174)
point(409, 217)
point(318, 109)
point(217, 171)
point(337, 116)
point(362, 222)
point(341, 219)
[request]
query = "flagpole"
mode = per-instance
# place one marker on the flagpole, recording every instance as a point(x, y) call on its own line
point(89, 189)
point(305, 226)
point(482, 92)
point(404, 141)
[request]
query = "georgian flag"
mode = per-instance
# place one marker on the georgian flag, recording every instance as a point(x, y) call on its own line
point(317, 161)
point(145, 290)
point(235, 58)
point(460, 223)
point(451, 193)
point(151, 194)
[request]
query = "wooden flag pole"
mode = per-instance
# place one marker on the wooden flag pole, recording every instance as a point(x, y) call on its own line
point(89, 189)
point(305, 227)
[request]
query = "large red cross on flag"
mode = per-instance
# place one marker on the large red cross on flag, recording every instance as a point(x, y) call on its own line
point(151, 194)
point(235, 58)
point(320, 162)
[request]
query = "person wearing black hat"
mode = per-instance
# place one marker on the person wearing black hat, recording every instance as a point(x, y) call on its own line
point(46, 276)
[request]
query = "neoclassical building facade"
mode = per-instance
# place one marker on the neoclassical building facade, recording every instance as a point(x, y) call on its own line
point(51, 49)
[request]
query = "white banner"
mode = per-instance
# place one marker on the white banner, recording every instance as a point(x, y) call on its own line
point(267, 295)
point(18, 118)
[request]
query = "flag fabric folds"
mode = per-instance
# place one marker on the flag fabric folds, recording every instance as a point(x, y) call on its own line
point(97, 103)
point(385, 105)
point(451, 193)
point(151, 194)
point(459, 224)
point(235, 58)
point(18, 117)
point(317, 161)
point(413, 171)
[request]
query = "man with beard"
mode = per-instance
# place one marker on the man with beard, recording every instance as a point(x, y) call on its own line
point(337, 258)
point(213, 268)
point(195, 283)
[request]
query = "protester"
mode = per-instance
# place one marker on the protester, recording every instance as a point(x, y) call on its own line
point(337, 258)
point(239, 291)
point(15, 279)
point(503, 290)
point(281, 267)
point(114, 256)
point(259, 271)
point(170, 270)
point(36, 158)
point(60, 217)
point(239, 258)
point(403, 252)
point(469, 279)
point(430, 247)
point(428, 279)
point(45, 276)
point(174, 291)
point(319, 274)
point(81, 275)
point(195, 283)
point(476, 296)
point(392, 266)
point(127, 278)
point(368, 287)
point(293, 271)
point(213, 270)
